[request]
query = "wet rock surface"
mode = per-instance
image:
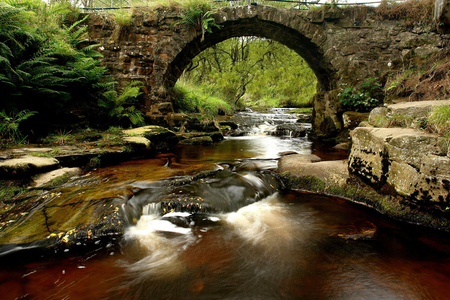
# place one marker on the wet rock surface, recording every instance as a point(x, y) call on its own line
point(292, 130)
point(62, 208)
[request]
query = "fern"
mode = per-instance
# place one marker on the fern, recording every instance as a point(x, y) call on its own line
point(9, 125)
point(121, 106)
point(199, 18)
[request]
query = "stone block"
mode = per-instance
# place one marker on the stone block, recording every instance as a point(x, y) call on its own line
point(435, 165)
point(403, 178)
point(409, 182)
point(411, 147)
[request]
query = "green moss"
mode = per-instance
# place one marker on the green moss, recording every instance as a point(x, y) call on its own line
point(201, 140)
point(57, 182)
point(8, 191)
point(308, 183)
point(303, 110)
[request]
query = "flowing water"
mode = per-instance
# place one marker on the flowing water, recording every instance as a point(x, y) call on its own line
point(234, 234)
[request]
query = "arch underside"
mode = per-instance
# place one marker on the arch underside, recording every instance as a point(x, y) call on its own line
point(259, 28)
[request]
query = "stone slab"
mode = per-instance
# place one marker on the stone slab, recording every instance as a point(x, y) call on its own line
point(46, 178)
point(333, 173)
point(27, 165)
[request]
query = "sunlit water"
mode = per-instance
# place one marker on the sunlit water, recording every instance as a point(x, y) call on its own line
point(260, 243)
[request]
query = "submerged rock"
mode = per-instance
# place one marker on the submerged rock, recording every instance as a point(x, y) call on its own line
point(364, 230)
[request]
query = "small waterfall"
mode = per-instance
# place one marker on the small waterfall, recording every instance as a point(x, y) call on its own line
point(255, 123)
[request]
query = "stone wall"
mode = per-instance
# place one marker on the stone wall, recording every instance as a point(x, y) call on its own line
point(342, 46)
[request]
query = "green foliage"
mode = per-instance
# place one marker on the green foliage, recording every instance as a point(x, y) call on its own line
point(45, 68)
point(9, 125)
point(121, 107)
point(123, 17)
point(363, 100)
point(193, 99)
point(198, 17)
point(439, 119)
point(249, 71)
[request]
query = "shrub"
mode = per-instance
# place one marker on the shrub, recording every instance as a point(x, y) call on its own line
point(413, 11)
point(368, 97)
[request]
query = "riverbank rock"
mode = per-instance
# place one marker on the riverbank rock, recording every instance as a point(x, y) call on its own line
point(292, 130)
point(194, 124)
point(410, 162)
point(26, 165)
point(332, 173)
point(407, 113)
point(160, 138)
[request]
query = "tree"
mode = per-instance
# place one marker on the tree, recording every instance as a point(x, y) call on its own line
point(251, 68)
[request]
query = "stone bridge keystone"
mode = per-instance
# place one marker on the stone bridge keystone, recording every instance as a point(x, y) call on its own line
point(342, 46)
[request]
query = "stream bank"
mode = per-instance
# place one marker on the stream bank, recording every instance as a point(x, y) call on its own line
point(402, 172)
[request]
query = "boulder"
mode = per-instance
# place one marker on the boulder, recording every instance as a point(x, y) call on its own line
point(411, 162)
point(292, 130)
point(137, 142)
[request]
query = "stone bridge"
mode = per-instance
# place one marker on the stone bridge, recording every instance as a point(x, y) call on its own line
point(342, 46)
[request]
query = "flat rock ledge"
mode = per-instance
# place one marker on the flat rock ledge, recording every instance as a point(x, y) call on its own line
point(26, 162)
point(410, 113)
point(332, 173)
point(26, 165)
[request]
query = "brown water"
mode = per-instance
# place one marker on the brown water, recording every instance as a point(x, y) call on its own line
point(289, 245)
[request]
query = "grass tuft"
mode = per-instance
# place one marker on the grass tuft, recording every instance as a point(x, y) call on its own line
point(194, 99)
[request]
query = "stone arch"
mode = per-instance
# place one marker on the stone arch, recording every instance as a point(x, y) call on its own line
point(264, 22)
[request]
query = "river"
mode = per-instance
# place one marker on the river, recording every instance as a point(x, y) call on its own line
point(248, 239)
